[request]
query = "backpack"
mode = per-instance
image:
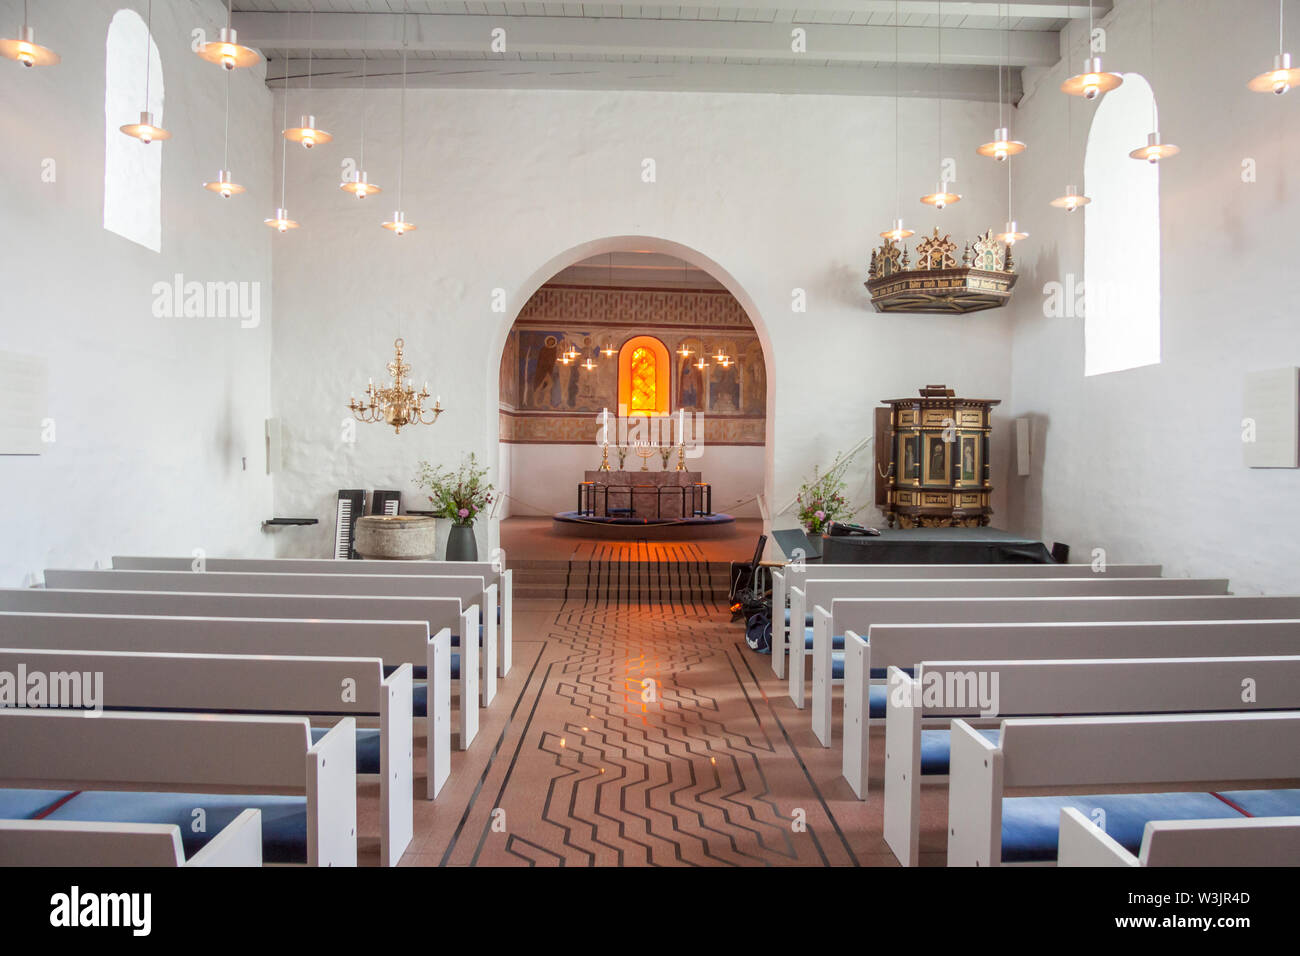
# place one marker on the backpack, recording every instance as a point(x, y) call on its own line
point(758, 632)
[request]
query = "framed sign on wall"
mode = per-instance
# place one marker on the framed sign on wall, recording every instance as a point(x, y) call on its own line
point(1270, 425)
point(24, 398)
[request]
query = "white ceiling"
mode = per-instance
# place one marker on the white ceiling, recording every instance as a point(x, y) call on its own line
point(730, 46)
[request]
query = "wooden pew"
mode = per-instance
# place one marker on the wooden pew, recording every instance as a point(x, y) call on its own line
point(434, 613)
point(1245, 841)
point(492, 571)
point(859, 615)
point(824, 592)
point(242, 683)
point(77, 844)
point(203, 755)
point(394, 642)
point(470, 590)
point(1070, 753)
point(794, 575)
point(1130, 682)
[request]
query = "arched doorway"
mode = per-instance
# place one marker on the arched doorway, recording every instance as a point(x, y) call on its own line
point(587, 304)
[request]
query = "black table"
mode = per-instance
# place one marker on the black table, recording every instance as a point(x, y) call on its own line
point(935, 546)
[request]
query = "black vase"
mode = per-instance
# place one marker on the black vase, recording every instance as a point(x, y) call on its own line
point(461, 544)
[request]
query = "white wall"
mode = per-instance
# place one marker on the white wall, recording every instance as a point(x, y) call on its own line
point(771, 192)
point(1147, 463)
point(152, 415)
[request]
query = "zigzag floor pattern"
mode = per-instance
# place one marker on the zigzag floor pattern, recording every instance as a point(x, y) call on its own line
point(643, 737)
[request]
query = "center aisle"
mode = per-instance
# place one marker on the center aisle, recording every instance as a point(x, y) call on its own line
point(644, 735)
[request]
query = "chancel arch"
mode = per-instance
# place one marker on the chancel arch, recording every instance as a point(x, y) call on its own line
point(637, 332)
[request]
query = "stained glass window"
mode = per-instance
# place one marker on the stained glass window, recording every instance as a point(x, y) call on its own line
point(645, 382)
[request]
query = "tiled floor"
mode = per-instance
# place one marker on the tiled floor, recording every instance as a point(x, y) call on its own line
point(634, 736)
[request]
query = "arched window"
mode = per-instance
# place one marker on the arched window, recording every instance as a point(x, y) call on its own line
point(132, 170)
point(644, 372)
point(1121, 248)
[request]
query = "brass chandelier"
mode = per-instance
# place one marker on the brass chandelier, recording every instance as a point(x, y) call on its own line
point(397, 404)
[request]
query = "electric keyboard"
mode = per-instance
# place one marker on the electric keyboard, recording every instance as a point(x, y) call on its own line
point(351, 506)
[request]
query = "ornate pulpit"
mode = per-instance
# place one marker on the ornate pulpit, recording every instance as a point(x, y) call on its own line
point(933, 460)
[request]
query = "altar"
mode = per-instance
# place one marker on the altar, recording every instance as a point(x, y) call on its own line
point(647, 495)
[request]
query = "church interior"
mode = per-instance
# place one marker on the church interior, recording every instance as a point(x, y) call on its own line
point(759, 434)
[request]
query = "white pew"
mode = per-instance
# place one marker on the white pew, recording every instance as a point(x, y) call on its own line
point(794, 575)
point(1247, 841)
point(470, 590)
point(858, 615)
point(264, 683)
point(907, 645)
point(434, 613)
point(1105, 753)
point(495, 572)
point(1172, 683)
point(76, 844)
point(820, 592)
point(394, 642)
point(187, 753)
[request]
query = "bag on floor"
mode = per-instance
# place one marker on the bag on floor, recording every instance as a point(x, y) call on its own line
point(758, 633)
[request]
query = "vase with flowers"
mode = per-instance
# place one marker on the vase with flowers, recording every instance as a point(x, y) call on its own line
point(460, 496)
point(822, 500)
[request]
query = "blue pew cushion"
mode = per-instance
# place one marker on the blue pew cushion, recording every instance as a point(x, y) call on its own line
point(837, 658)
point(837, 640)
point(420, 692)
point(29, 804)
point(369, 749)
point(284, 819)
point(455, 638)
point(421, 671)
point(1265, 803)
point(807, 619)
point(1031, 825)
point(936, 745)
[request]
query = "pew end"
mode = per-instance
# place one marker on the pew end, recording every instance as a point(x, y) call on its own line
point(396, 763)
point(507, 598)
point(469, 675)
point(856, 753)
point(974, 798)
point(780, 629)
point(902, 765)
point(438, 713)
point(798, 662)
point(332, 797)
point(822, 676)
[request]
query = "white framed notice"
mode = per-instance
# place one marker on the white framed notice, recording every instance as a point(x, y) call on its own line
point(1270, 427)
point(24, 400)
